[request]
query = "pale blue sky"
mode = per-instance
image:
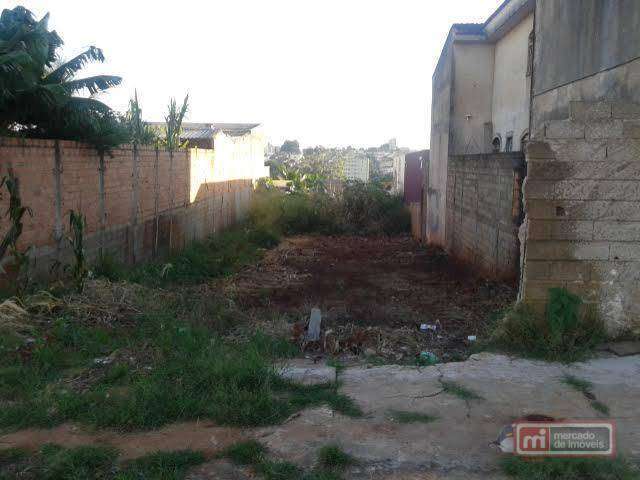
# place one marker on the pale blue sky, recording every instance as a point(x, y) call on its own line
point(329, 72)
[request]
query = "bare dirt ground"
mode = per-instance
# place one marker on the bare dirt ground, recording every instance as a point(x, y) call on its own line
point(374, 293)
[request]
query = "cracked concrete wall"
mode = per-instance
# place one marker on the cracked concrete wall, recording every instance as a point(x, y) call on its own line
point(582, 191)
point(582, 203)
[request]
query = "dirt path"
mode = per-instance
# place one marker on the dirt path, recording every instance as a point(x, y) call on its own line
point(200, 436)
point(374, 294)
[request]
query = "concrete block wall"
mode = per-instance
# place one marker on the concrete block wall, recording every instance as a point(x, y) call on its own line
point(483, 212)
point(582, 203)
point(137, 202)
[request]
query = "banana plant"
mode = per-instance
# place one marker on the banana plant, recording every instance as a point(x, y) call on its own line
point(9, 244)
point(79, 271)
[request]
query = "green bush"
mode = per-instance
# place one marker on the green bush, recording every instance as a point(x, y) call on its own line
point(566, 332)
point(361, 209)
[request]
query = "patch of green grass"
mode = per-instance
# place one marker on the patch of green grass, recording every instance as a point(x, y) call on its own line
point(332, 457)
point(217, 256)
point(331, 461)
point(161, 466)
point(402, 416)
point(600, 407)
point(274, 347)
point(567, 332)
point(54, 462)
point(586, 388)
point(337, 364)
point(569, 469)
point(109, 267)
point(250, 452)
point(460, 391)
point(87, 462)
point(278, 470)
point(194, 374)
point(253, 453)
point(12, 455)
point(581, 385)
point(303, 396)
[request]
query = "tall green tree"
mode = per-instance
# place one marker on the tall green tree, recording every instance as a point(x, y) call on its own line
point(173, 123)
point(290, 146)
point(41, 95)
point(139, 131)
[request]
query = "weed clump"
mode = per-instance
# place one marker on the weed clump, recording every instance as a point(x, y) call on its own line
point(460, 391)
point(402, 416)
point(250, 452)
point(54, 462)
point(332, 457)
point(361, 209)
point(564, 333)
point(586, 388)
point(217, 256)
point(190, 373)
point(332, 462)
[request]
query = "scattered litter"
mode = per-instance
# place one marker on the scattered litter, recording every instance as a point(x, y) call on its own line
point(102, 361)
point(391, 295)
point(428, 358)
point(425, 327)
point(472, 338)
point(504, 442)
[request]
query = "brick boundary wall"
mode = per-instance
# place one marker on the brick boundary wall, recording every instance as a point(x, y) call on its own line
point(139, 203)
point(484, 212)
point(582, 203)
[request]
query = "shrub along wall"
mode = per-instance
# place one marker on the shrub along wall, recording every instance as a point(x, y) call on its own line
point(484, 211)
point(139, 203)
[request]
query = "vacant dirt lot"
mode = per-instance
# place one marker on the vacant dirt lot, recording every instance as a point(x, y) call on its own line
point(374, 294)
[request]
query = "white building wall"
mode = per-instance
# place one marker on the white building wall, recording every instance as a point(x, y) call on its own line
point(238, 157)
point(511, 85)
point(472, 80)
point(357, 168)
point(398, 174)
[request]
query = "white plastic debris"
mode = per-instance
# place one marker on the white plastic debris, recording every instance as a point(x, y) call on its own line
point(472, 338)
point(425, 327)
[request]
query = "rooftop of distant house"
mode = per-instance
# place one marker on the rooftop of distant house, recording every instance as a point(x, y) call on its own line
point(193, 130)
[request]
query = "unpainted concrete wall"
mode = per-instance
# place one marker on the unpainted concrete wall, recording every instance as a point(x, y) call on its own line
point(578, 38)
point(484, 212)
point(582, 192)
point(582, 201)
point(139, 203)
point(441, 109)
